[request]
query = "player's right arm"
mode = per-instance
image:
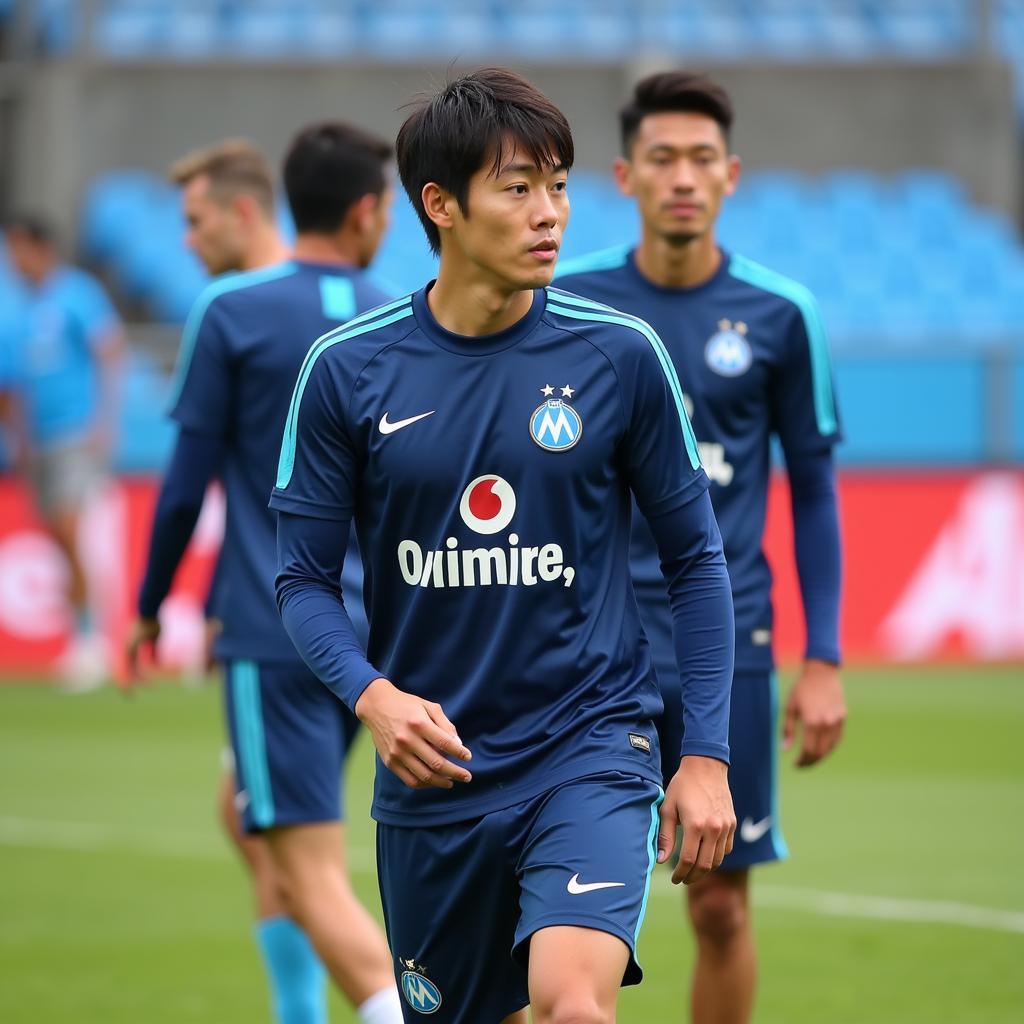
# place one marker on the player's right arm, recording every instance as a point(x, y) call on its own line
point(315, 500)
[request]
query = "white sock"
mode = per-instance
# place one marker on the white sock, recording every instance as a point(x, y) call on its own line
point(383, 1007)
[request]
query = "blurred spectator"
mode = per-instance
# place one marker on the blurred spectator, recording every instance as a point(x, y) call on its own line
point(63, 350)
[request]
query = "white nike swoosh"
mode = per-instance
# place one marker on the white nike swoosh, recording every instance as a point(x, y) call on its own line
point(575, 887)
point(389, 428)
point(751, 831)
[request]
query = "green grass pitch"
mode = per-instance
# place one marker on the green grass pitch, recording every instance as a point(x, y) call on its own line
point(903, 901)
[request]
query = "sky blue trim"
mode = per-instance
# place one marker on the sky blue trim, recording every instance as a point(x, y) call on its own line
point(604, 259)
point(221, 286)
point(601, 315)
point(652, 856)
point(778, 842)
point(286, 464)
point(252, 747)
point(337, 298)
point(821, 364)
point(572, 299)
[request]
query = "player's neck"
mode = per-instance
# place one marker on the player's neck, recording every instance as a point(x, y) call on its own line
point(475, 308)
point(315, 248)
point(669, 265)
point(266, 249)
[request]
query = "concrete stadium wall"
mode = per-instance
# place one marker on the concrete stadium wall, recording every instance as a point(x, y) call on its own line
point(75, 119)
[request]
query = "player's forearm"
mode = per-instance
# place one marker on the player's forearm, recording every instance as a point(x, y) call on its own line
point(818, 552)
point(700, 596)
point(310, 553)
point(192, 466)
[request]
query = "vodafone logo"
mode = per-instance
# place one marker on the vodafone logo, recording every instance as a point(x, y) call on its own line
point(488, 504)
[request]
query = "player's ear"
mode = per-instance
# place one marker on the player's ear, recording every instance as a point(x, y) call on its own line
point(622, 169)
point(364, 211)
point(245, 207)
point(439, 204)
point(733, 179)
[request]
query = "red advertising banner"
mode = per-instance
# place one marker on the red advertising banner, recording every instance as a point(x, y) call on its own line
point(934, 570)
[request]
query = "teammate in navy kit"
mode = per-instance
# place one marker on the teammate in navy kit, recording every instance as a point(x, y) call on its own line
point(485, 435)
point(750, 350)
point(243, 346)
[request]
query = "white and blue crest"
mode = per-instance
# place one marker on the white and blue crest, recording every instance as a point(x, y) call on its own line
point(420, 992)
point(555, 426)
point(728, 352)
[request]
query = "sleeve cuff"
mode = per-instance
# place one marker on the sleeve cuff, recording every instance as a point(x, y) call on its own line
point(283, 502)
point(700, 748)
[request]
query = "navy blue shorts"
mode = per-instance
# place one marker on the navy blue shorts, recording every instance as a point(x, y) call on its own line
point(289, 737)
point(753, 749)
point(462, 900)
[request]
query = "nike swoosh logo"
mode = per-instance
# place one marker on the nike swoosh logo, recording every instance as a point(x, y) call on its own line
point(389, 428)
point(751, 831)
point(576, 888)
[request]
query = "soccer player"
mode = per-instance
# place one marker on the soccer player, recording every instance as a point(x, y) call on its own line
point(485, 434)
point(228, 202)
point(67, 343)
point(750, 350)
point(243, 346)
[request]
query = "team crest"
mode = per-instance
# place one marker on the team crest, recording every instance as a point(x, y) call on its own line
point(728, 352)
point(555, 425)
point(419, 991)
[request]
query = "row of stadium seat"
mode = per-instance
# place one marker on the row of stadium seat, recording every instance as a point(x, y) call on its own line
point(899, 258)
point(724, 29)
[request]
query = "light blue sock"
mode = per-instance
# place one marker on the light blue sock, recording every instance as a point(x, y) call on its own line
point(83, 621)
point(296, 974)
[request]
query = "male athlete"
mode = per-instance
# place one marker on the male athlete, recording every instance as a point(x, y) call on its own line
point(242, 350)
point(750, 350)
point(485, 435)
point(66, 346)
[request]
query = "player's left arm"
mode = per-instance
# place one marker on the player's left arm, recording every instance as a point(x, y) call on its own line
point(105, 336)
point(805, 417)
point(671, 491)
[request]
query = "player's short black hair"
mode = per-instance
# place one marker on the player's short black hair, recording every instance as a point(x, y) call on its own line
point(329, 167)
point(31, 224)
point(472, 120)
point(678, 92)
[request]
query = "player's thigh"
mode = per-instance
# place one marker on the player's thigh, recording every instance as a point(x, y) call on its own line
point(575, 974)
point(288, 738)
point(586, 862)
point(449, 896)
point(753, 771)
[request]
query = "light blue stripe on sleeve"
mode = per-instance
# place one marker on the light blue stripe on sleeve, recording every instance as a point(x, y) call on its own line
point(583, 310)
point(245, 685)
point(190, 332)
point(821, 365)
point(361, 325)
point(652, 856)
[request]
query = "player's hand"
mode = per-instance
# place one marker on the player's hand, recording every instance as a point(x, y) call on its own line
point(412, 736)
point(142, 635)
point(816, 704)
point(698, 799)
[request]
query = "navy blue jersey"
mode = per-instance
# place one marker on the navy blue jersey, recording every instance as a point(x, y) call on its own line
point(242, 348)
point(750, 350)
point(489, 479)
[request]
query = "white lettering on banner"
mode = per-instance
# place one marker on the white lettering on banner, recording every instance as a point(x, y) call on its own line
point(971, 583)
point(33, 577)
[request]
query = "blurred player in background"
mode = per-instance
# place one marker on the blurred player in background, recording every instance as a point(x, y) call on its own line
point(449, 425)
point(241, 353)
point(751, 354)
point(65, 349)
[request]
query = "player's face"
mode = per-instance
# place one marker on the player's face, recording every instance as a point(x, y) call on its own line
point(215, 230)
point(514, 227)
point(29, 257)
point(679, 170)
point(377, 222)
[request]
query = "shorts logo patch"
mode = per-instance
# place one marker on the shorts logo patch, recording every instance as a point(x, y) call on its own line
point(751, 831)
point(640, 742)
point(728, 352)
point(420, 992)
point(555, 425)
